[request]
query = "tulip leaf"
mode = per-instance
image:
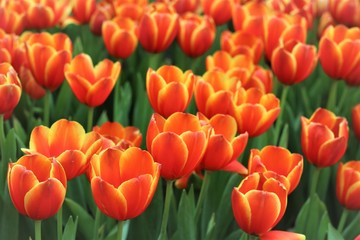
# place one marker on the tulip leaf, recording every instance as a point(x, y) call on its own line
point(333, 234)
point(70, 229)
point(122, 103)
point(237, 235)
point(20, 135)
point(353, 228)
point(284, 137)
point(9, 218)
point(210, 231)
point(86, 222)
point(64, 101)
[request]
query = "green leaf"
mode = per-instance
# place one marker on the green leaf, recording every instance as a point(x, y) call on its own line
point(122, 103)
point(353, 228)
point(333, 234)
point(9, 218)
point(64, 101)
point(86, 222)
point(284, 137)
point(20, 133)
point(210, 231)
point(70, 229)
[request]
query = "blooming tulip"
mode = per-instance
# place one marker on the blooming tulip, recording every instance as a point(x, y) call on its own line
point(278, 160)
point(258, 203)
point(91, 85)
point(355, 116)
point(10, 89)
point(345, 11)
point(12, 17)
point(68, 142)
point(281, 235)
point(293, 62)
point(348, 184)
point(223, 60)
point(177, 143)
point(219, 10)
point(37, 186)
point(169, 89)
point(183, 6)
point(158, 27)
point(196, 34)
point(82, 10)
point(324, 137)
point(104, 11)
point(123, 182)
point(133, 9)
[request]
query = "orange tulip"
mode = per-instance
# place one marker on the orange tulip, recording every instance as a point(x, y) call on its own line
point(120, 36)
point(324, 137)
point(339, 53)
point(219, 10)
point(123, 183)
point(46, 13)
point(183, 6)
point(255, 111)
point(325, 20)
point(10, 89)
point(47, 55)
point(133, 9)
point(67, 142)
point(169, 89)
point(348, 184)
point(124, 137)
point(158, 27)
point(278, 160)
point(196, 34)
point(281, 235)
point(83, 9)
point(293, 61)
point(355, 116)
point(37, 186)
point(260, 78)
point(91, 85)
point(258, 203)
point(224, 147)
point(345, 11)
point(12, 17)
point(177, 143)
point(223, 60)
point(241, 42)
point(104, 11)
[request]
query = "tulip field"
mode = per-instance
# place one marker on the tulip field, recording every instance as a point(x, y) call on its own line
point(180, 119)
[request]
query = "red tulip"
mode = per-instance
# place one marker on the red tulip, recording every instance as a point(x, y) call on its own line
point(345, 11)
point(348, 184)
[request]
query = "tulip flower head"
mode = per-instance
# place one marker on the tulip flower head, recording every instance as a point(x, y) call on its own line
point(219, 10)
point(348, 184)
point(355, 115)
point(324, 137)
point(345, 12)
point(281, 235)
point(37, 186)
point(12, 16)
point(83, 10)
point(123, 182)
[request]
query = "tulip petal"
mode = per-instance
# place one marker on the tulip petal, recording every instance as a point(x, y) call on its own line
point(39, 140)
point(282, 235)
point(54, 71)
point(331, 58)
point(196, 145)
point(74, 163)
point(241, 209)
point(352, 197)
point(182, 122)
point(172, 98)
point(100, 91)
point(284, 65)
point(218, 153)
point(331, 152)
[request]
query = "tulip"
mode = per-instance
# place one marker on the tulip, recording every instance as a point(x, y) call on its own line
point(158, 27)
point(219, 10)
point(104, 11)
point(67, 142)
point(133, 9)
point(348, 184)
point(355, 116)
point(83, 9)
point(183, 6)
point(47, 55)
point(196, 34)
point(223, 60)
point(324, 138)
point(123, 183)
point(37, 186)
point(345, 11)
point(281, 235)
point(12, 17)
point(258, 203)
point(177, 143)
point(91, 85)
point(339, 51)
point(10, 89)
point(278, 160)
point(119, 35)
point(169, 89)
point(293, 61)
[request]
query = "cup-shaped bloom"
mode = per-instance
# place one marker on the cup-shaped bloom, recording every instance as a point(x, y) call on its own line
point(281, 235)
point(47, 55)
point(169, 89)
point(339, 53)
point(46, 13)
point(177, 143)
point(348, 184)
point(37, 186)
point(196, 34)
point(241, 42)
point(67, 142)
point(119, 35)
point(10, 89)
point(345, 11)
point(133, 9)
point(258, 203)
point(82, 10)
point(219, 10)
point(255, 111)
point(12, 17)
point(121, 136)
point(183, 6)
point(293, 61)
point(324, 137)
point(278, 160)
point(123, 183)
point(224, 147)
point(91, 84)
point(355, 116)
point(104, 11)
point(158, 27)
point(223, 60)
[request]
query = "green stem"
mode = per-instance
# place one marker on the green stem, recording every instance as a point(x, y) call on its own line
point(314, 181)
point(331, 103)
point(90, 119)
point(202, 195)
point(37, 229)
point(120, 230)
point(59, 224)
point(46, 116)
point(342, 221)
point(97, 224)
point(164, 222)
